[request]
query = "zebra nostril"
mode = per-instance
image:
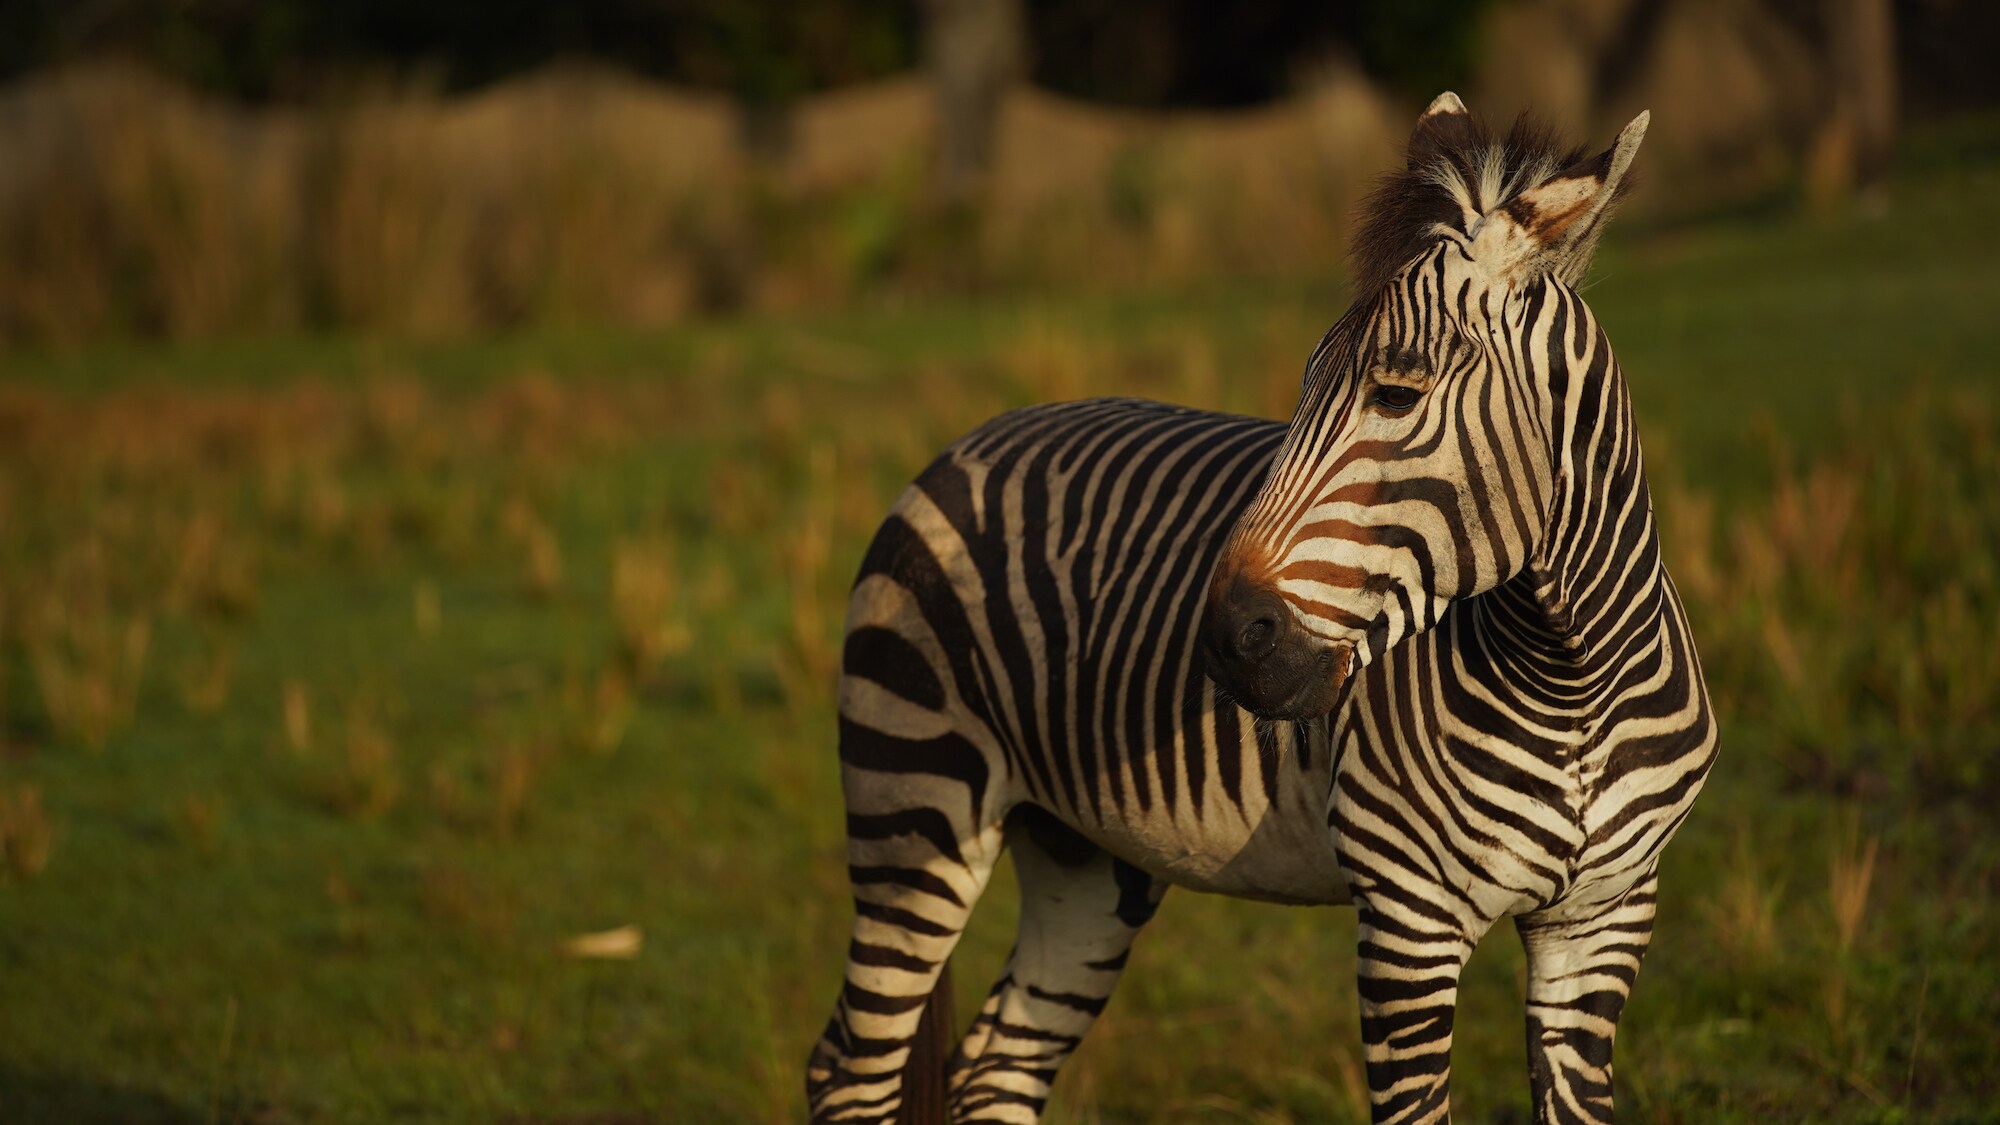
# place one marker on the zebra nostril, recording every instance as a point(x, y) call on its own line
point(1256, 639)
point(1246, 623)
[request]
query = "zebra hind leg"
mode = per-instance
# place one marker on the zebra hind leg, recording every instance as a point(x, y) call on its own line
point(1581, 967)
point(1080, 910)
point(916, 878)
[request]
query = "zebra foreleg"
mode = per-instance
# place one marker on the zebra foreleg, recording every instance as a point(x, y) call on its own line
point(1080, 910)
point(1582, 963)
point(1408, 987)
point(915, 885)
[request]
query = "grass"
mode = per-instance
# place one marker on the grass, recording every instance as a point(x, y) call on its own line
point(345, 684)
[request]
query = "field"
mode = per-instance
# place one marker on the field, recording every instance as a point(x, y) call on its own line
point(345, 682)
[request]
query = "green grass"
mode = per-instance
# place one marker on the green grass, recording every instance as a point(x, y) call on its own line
point(507, 749)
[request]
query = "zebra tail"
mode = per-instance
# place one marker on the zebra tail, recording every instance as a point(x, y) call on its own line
point(924, 1101)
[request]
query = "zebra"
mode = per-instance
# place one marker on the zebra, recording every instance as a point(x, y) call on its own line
point(1416, 652)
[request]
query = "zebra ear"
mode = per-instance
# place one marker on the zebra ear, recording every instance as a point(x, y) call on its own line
point(1551, 229)
point(1441, 129)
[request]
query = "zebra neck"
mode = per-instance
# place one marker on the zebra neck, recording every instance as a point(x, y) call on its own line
point(1597, 584)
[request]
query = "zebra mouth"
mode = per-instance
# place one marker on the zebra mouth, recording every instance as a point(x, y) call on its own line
point(1322, 688)
point(1309, 689)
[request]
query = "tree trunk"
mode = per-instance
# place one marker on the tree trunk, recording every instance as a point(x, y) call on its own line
point(1853, 152)
point(974, 50)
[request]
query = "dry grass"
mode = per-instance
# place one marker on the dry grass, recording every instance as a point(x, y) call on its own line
point(194, 496)
point(608, 713)
point(201, 820)
point(1742, 914)
point(298, 718)
point(577, 196)
point(816, 605)
point(645, 590)
point(426, 612)
point(1850, 875)
point(367, 781)
point(1853, 605)
point(208, 677)
point(492, 797)
point(538, 550)
point(88, 663)
point(26, 834)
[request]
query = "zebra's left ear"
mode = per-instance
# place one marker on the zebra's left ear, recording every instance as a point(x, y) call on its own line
point(1551, 229)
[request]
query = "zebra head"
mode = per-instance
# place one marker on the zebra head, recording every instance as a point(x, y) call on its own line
point(1424, 463)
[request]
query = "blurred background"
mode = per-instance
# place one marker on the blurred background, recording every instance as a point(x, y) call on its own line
point(436, 439)
point(190, 169)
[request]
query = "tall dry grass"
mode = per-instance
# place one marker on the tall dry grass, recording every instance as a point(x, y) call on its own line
point(132, 206)
point(85, 645)
point(1845, 608)
point(1849, 611)
point(27, 835)
point(645, 609)
point(147, 513)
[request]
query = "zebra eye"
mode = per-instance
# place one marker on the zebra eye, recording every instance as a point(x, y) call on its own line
point(1396, 399)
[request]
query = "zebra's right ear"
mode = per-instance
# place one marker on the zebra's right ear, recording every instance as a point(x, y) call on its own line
point(1551, 229)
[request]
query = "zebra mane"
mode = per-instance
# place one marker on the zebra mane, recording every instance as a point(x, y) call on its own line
point(1456, 170)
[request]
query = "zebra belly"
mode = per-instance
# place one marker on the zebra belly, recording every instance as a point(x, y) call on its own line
point(1285, 859)
point(1270, 840)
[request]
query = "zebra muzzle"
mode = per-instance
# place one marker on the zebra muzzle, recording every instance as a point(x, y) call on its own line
point(1256, 652)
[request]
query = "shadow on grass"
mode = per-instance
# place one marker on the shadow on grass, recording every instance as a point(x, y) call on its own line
point(41, 1096)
